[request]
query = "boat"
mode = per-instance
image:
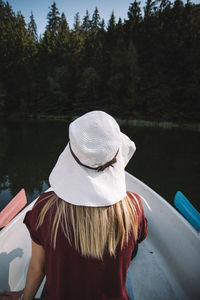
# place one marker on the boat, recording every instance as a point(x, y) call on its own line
point(166, 267)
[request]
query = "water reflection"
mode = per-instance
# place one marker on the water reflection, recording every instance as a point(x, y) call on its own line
point(166, 159)
point(28, 152)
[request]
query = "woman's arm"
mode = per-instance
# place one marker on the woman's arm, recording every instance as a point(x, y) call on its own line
point(35, 273)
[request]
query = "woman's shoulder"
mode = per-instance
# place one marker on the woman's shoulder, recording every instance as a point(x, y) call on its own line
point(33, 214)
point(43, 199)
point(31, 218)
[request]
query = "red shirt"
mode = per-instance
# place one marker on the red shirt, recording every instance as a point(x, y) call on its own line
point(70, 276)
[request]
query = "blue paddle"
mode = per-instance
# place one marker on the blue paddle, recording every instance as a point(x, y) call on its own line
point(187, 210)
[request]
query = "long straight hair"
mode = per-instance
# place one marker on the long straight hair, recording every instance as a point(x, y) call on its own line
point(93, 230)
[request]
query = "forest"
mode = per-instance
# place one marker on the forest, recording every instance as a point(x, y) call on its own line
point(145, 67)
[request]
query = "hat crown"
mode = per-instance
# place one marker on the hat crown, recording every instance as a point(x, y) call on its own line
point(94, 138)
point(95, 142)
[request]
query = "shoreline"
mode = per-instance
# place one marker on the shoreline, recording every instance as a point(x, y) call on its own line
point(128, 122)
point(160, 124)
point(122, 122)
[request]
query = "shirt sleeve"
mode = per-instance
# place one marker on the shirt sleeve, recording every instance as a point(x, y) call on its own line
point(142, 221)
point(143, 230)
point(31, 219)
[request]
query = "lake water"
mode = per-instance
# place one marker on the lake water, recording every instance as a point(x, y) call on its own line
point(166, 159)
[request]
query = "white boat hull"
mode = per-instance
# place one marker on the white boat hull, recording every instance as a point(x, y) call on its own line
point(167, 265)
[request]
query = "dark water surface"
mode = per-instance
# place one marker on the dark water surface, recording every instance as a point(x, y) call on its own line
point(166, 159)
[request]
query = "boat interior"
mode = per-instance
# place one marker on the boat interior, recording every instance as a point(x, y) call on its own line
point(167, 264)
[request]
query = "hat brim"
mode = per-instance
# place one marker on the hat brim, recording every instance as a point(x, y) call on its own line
point(82, 186)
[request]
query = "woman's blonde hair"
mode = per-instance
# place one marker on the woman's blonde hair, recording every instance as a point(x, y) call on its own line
point(93, 230)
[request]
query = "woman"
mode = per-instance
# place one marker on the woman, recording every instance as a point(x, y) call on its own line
point(85, 230)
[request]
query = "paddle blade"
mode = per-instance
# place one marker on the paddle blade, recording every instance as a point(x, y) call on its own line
point(13, 207)
point(187, 210)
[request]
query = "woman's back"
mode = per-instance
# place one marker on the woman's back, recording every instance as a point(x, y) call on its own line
point(71, 275)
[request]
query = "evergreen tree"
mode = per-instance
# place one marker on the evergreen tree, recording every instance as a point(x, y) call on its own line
point(32, 38)
point(102, 25)
point(112, 23)
point(64, 27)
point(119, 27)
point(150, 8)
point(86, 25)
point(77, 23)
point(77, 28)
point(164, 4)
point(7, 21)
point(134, 13)
point(111, 39)
point(77, 37)
point(95, 20)
point(63, 37)
point(53, 18)
point(32, 28)
point(134, 22)
point(49, 42)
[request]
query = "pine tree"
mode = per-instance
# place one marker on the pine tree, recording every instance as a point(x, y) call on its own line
point(32, 38)
point(63, 23)
point(63, 37)
point(111, 34)
point(32, 28)
point(7, 54)
point(20, 36)
point(49, 43)
point(134, 13)
point(77, 26)
point(7, 41)
point(164, 4)
point(150, 8)
point(95, 20)
point(112, 23)
point(77, 37)
point(53, 18)
point(86, 25)
point(134, 23)
point(119, 23)
point(102, 25)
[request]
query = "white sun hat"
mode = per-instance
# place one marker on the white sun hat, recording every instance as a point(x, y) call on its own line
point(90, 170)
